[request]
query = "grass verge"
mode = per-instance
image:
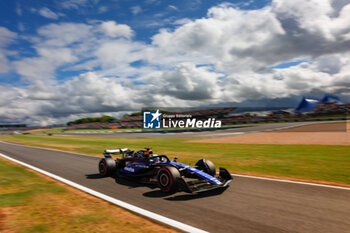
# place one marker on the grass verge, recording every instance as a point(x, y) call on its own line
point(321, 163)
point(32, 203)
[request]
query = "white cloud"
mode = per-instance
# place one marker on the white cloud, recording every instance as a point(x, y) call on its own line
point(182, 21)
point(111, 29)
point(189, 82)
point(136, 10)
point(102, 9)
point(20, 26)
point(47, 13)
point(222, 37)
point(75, 4)
point(4, 63)
point(44, 66)
point(63, 34)
point(18, 9)
point(173, 7)
point(116, 53)
point(6, 37)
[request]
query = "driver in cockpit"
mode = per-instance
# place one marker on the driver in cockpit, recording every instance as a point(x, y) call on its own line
point(144, 154)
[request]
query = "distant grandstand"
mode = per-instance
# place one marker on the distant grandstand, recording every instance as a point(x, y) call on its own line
point(224, 114)
point(136, 121)
point(308, 109)
point(11, 126)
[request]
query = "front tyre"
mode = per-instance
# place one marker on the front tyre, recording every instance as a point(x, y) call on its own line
point(207, 166)
point(107, 167)
point(167, 179)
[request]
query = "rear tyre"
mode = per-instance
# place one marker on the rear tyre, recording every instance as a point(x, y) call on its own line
point(107, 167)
point(167, 179)
point(119, 163)
point(207, 166)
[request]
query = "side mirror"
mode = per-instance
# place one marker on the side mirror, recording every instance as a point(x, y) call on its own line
point(174, 160)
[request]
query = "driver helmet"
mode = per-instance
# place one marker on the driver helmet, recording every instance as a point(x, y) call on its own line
point(148, 152)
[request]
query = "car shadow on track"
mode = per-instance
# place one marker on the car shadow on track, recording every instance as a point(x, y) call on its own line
point(178, 196)
point(182, 196)
point(94, 176)
point(122, 181)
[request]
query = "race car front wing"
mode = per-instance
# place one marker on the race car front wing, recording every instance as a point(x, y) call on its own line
point(202, 185)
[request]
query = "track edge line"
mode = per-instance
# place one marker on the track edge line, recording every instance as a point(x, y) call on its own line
point(292, 181)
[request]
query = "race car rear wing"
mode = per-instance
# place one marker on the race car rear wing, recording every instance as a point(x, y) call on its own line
point(122, 151)
point(117, 151)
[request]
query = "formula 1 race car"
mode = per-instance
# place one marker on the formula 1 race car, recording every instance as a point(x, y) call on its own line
point(169, 175)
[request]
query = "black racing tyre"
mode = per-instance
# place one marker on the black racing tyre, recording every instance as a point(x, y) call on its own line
point(119, 163)
point(207, 166)
point(107, 167)
point(167, 179)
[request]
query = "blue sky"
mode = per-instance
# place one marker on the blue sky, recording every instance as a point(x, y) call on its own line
point(146, 18)
point(60, 60)
point(137, 14)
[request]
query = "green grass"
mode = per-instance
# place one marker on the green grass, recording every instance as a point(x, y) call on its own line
point(41, 131)
point(314, 162)
point(24, 183)
point(35, 204)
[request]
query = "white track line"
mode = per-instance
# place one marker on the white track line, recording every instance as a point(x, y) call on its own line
point(246, 176)
point(294, 182)
point(146, 213)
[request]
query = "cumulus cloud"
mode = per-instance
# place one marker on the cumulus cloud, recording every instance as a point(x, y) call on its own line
point(235, 39)
point(111, 29)
point(43, 67)
point(88, 93)
point(77, 46)
point(224, 57)
point(63, 34)
point(4, 63)
point(6, 38)
point(189, 82)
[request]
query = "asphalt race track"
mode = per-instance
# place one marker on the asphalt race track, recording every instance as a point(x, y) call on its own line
point(248, 205)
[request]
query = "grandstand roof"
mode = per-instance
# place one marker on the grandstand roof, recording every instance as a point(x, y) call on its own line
point(307, 105)
point(331, 99)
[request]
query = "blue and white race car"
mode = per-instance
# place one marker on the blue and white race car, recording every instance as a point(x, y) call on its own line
point(169, 175)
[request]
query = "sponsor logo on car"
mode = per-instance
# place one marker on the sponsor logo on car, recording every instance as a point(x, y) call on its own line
point(141, 166)
point(129, 169)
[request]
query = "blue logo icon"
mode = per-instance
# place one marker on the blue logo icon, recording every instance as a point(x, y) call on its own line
point(151, 120)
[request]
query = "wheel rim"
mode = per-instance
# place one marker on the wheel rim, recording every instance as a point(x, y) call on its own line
point(164, 180)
